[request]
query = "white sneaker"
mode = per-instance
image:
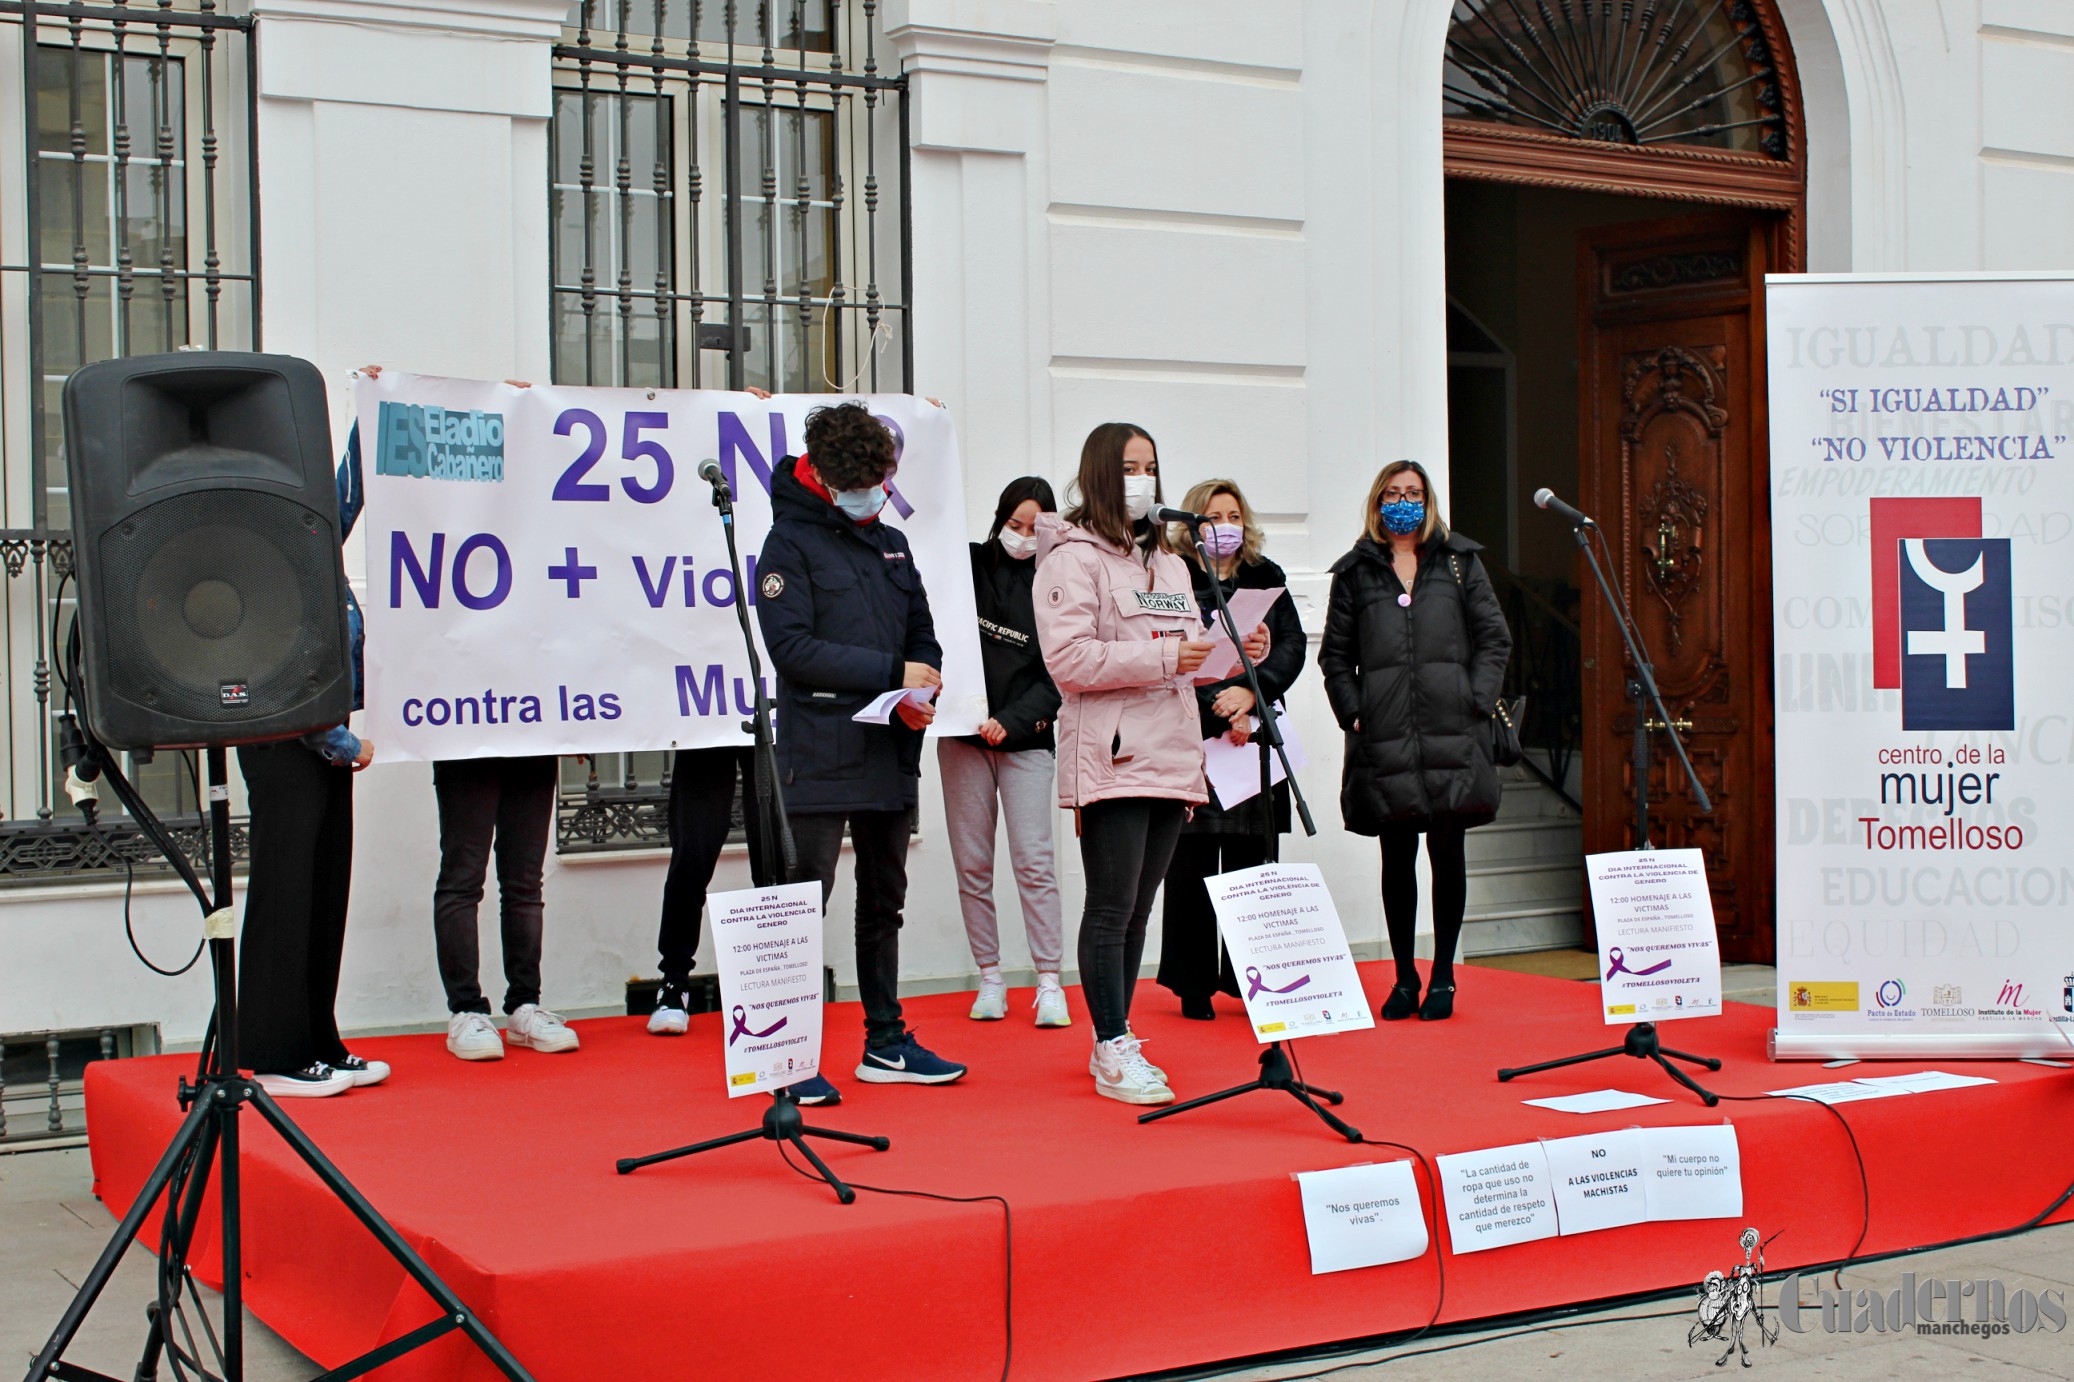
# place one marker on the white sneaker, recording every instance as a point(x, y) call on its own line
point(1157, 1073)
point(314, 1081)
point(1051, 1006)
point(473, 1036)
point(534, 1026)
point(672, 1015)
point(1121, 1073)
point(992, 1003)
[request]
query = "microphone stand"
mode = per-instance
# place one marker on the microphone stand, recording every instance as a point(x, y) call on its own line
point(1276, 1072)
point(774, 858)
point(1641, 1042)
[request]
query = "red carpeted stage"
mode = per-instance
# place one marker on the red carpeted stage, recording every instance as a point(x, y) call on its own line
point(1136, 1248)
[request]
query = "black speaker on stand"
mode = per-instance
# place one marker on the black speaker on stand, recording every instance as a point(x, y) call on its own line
point(212, 607)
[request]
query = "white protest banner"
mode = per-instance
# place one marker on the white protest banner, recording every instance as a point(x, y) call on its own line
point(1597, 1179)
point(768, 943)
point(1659, 957)
point(1496, 1197)
point(1922, 514)
point(1692, 1173)
point(547, 574)
point(1289, 951)
point(1362, 1216)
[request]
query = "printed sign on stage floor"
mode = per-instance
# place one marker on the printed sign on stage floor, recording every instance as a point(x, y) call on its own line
point(1296, 974)
point(1497, 1197)
point(1362, 1216)
point(1693, 1172)
point(547, 574)
point(1659, 957)
point(768, 942)
point(1598, 1179)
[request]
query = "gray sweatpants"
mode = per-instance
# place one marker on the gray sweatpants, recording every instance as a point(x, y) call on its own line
point(974, 778)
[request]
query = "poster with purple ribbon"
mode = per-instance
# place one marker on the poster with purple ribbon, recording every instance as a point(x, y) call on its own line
point(1658, 955)
point(1297, 975)
point(768, 943)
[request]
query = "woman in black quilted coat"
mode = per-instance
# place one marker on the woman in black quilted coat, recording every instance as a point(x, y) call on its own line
point(1414, 657)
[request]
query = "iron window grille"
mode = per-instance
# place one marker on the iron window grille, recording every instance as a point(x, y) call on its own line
point(127, 226)
point(728, 207)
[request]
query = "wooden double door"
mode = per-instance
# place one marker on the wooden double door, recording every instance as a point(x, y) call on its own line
point(1674, 466)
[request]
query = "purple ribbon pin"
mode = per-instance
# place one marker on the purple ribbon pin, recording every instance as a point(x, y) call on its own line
point(1620, 965)
point(1255, 985)
point(741, 1017)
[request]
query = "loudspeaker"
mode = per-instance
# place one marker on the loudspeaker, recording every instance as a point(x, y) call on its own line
point(205, 540)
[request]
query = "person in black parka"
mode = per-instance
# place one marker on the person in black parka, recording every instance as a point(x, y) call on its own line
point(1192, 960)
point(1414, 656)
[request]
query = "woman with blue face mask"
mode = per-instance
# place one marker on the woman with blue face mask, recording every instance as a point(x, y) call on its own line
point(1414, 655)
point(1192, 962)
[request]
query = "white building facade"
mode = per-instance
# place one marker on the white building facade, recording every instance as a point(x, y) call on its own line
point(1229, 222)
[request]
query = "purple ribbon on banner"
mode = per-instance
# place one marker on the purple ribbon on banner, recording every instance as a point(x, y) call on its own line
point(741, 1017)
point(1620, 965)
point(1255, 985)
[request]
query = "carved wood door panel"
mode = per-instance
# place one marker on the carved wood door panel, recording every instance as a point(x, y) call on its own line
point(1673, 463)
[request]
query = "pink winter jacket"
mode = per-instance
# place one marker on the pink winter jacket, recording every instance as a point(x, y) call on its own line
point(1111, 630)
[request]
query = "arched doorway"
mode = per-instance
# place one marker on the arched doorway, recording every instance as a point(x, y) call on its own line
point(1620, 177)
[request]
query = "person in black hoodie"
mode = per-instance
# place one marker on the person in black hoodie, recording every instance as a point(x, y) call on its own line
point(1010, 761)
point(845, 619)
point(1414, 657)
point(1192, 960)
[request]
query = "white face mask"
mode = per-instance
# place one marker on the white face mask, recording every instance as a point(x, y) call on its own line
point(1016, 545)
point(1138, 491)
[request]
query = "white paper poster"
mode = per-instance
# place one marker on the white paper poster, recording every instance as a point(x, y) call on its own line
point(1497, 1197)
point(1234, 769)
point(1922, 518)
point(1693, 1173)
point(1598, 1179)
point(768, 943)
point(1296, 974)
point(1362, 1216)
point(1659, 958)
point(546, 573)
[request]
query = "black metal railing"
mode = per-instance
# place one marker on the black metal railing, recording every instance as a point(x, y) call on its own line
point(728, 207)
point(132, 230)
point(1546, 668)
point(42, 1076)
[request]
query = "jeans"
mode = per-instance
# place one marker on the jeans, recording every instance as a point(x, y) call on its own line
point(505, 805)
point(702, 795)
point(1192, 959)
point(1124, 848)
point(295, 906)
point(1445, 850)
point(879, 840)
point(974, 780)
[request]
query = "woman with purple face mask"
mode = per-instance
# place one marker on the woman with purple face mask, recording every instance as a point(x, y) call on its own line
point(1192, 961)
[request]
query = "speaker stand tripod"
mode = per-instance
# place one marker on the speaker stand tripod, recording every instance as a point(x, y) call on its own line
point(208, 1141)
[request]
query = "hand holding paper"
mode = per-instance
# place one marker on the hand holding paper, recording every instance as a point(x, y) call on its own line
point(880, 711)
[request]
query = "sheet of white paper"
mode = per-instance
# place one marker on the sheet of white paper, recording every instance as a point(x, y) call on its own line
point(1923, 1080)
point(1597, 1101)
point(1597, 1180)
point(1496, 1197)
point(880, 711)
point(1234, 769)
point(768, 944)
point(1692, 1172)
point(1290, 951)
point(1248, 609)
point(1840, 1092)
point(1658, 955)
point(1362, 1216)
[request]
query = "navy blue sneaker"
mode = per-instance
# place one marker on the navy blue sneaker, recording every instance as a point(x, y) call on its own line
point(815, 1092)
point(906, 1062)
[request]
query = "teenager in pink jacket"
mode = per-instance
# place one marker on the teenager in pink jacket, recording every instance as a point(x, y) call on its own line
point(1117, 620)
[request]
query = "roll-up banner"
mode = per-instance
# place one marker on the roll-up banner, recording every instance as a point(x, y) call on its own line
point(547, 572)
point(1922, 430)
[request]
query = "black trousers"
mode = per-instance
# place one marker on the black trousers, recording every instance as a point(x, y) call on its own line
point(879, 840)
point(702, 795)
point(1446, 852)
point(295, 906)
point(1124, 848)
point(1192, 959)
point(486, 805)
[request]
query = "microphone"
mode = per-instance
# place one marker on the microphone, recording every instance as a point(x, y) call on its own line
point(1544, 498)
point(1162, 514)
point(710, 472)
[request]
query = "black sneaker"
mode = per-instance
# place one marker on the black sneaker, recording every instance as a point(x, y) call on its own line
point(364, 1072)
point(314, 1081)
